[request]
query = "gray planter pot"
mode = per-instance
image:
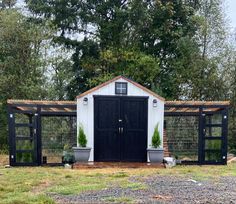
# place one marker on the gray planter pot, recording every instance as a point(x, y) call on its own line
point(81, 153)
point(155, 155)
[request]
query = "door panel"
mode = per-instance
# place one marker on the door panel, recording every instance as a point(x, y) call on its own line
point(25, 143)
point(108, 112)
point(106, 137)
point(120, 129)
point(134, 137)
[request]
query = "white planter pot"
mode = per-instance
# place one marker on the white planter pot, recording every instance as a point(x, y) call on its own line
point(155, 155)
point(81, 153)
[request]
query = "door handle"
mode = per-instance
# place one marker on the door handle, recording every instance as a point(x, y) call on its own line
point(120, 130)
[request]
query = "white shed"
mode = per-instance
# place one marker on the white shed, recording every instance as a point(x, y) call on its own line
point(118, 118)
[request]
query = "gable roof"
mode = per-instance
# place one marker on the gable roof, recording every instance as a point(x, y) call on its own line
point(121, 77)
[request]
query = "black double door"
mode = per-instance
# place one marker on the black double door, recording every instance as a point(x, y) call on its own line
point(120, 128)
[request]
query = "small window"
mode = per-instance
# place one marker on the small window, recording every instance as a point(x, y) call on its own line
point(121, 88)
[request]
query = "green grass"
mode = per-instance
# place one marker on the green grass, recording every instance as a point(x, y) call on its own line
point(119, 200)
point(26, 185)
point(135, 186)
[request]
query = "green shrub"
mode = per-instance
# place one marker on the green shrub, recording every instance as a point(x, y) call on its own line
point(156, 139)
point(68, 158)
point(82, 138)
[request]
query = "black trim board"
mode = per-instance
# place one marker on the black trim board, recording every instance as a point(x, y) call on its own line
point(119, 96)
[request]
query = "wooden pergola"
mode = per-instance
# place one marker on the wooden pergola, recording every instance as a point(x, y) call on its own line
point(173, 108)
point(204, 111)
point(35, 109)
point(44, 107)
point(69, 107)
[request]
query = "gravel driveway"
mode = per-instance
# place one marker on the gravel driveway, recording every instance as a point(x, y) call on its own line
point(161, 189)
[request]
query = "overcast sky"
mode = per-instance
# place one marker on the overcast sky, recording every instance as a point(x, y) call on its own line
point(231, 11)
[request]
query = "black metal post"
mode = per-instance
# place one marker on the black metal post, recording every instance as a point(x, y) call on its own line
point(225, 115)
point(201, 153)
point(38, 135)
point(11, 135)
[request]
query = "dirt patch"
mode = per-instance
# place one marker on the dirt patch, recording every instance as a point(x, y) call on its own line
point(41, 187)
point(231, 160)
point(4, 159)
point(161, 189)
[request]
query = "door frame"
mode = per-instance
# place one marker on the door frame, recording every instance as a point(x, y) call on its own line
point(34, 126)
point(223, 138)
point(118, 96)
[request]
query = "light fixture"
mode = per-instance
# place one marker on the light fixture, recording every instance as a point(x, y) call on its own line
point(154, 102)
point(85, 101)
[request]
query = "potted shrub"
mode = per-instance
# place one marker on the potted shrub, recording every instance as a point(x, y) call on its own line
point(82, 152)
point(67, 155)
point(155, 153)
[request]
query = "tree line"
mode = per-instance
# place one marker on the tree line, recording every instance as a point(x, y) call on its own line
point(181, 49)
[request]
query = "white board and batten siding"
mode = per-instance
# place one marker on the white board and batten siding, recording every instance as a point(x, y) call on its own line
point(85, 113)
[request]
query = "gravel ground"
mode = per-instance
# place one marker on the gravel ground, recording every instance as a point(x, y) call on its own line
point(161, 189)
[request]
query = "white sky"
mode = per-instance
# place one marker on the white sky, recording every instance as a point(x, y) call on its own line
point(231, 12)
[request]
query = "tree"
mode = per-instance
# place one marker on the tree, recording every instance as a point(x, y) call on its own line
point(7, 4)
point(133, 64)
point(21, 74)
point(59, 69)
point(19, 57)
point(152, 28)
point(212, 37)
point(160, 26)
point(230, 83)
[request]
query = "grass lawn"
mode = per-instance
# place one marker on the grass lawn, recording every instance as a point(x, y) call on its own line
point(34, 184)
